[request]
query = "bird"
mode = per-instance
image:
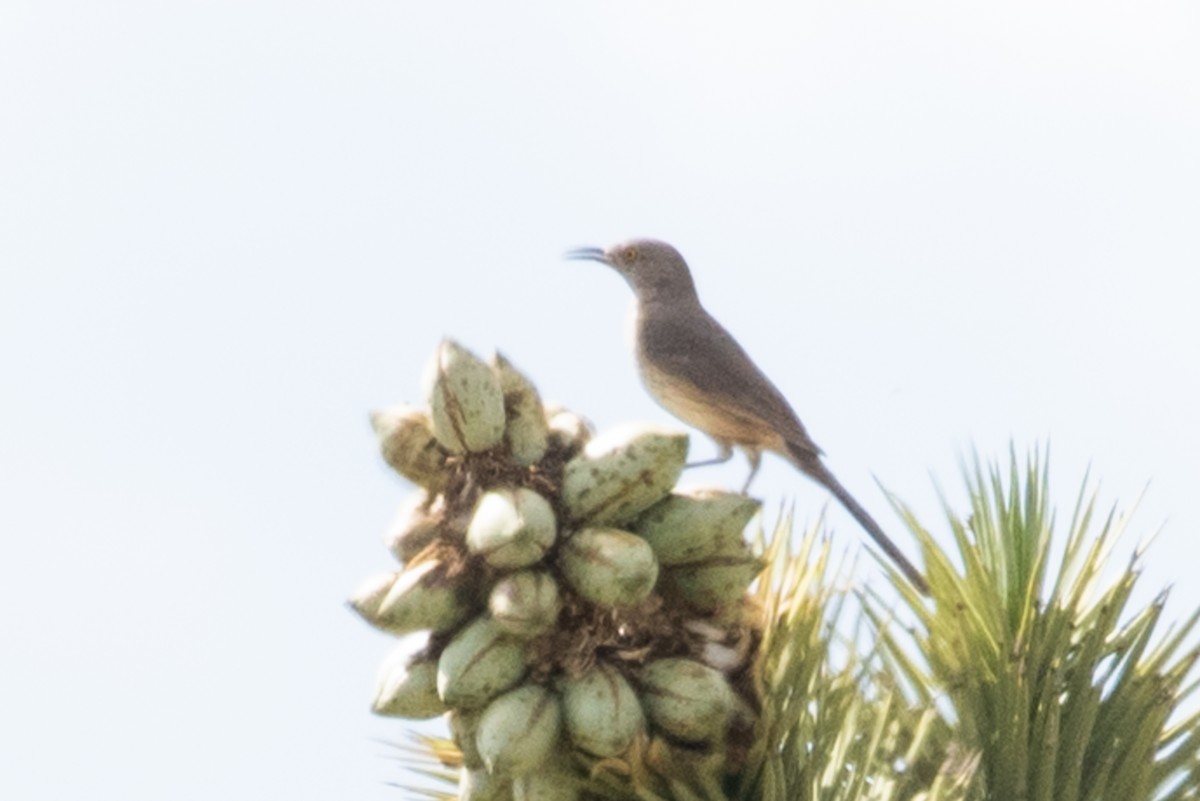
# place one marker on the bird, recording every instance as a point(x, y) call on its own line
point(698, 372)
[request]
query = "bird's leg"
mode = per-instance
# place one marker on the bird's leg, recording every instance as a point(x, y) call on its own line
point(754, 455)
point(723, 455)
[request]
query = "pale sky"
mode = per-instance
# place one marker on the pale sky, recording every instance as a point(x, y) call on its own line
point(230, 229)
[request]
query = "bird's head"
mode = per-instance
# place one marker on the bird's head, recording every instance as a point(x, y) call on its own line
point(652, 268)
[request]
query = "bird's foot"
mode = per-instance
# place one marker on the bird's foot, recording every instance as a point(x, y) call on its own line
point(724, 454)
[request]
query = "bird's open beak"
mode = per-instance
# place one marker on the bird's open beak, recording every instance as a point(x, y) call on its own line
point(587, 254)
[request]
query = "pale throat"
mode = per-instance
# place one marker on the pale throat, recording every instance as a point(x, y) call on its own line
point(631, 325)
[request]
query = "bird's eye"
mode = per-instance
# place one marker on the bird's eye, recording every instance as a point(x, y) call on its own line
point(630, 255)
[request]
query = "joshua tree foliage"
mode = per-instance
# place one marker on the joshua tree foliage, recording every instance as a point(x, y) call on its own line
point(1027, 675)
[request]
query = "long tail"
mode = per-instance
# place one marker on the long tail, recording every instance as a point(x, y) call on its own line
point(804, 461)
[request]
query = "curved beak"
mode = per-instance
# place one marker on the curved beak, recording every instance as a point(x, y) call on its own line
point(587, 254)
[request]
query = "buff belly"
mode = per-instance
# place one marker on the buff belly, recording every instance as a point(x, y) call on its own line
point(720, 421)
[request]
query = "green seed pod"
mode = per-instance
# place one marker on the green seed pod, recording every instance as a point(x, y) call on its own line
point(609, 567)
point(407, 688)
point(476, 784)
point(725, 650)
point(568, 431)
point(701, 769)
point(465, 402)
point(713, 584)
point(551, 782)
point(407, 443)
point(463, 725)
point(623, 472)
point(691, 527)
point(518, 730)
point(478, 664)
point(525, 603)
point(601, 711)
point(511, 528)
point(420, 597)
point(370, 594)
point(689, 701)
point(526, 432)
point(418, 523)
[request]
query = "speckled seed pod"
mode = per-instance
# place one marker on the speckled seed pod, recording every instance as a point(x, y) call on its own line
point(688, 701)
point(511, 528)
point(420, 597)
point(568, 431)
point(693, 526)
point(465, 402)
point(549, 782)
point(623, 472)
point(463, 725)
point(476, 784)
point(417, 523)
point(526, 431)
point(478, 664)
point(370, 594)
point(407, 443)
point(407, 687)
point(713, 584)
point(518, 730)
point(525, 603)
point(601, 711)
point(609, 567)
point(723, 650)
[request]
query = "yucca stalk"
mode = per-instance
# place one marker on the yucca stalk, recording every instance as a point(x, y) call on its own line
point(1026, 675)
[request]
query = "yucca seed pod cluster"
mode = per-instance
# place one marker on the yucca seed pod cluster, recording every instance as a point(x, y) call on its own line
point(578, 620)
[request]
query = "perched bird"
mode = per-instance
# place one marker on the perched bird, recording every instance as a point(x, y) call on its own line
point(699, 373)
